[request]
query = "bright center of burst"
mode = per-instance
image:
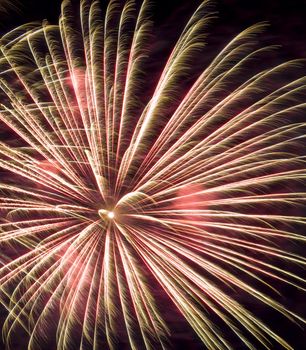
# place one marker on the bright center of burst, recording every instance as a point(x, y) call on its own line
point(110, 214)
point(106, 214)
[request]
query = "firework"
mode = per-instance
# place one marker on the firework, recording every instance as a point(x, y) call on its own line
point(118, 208)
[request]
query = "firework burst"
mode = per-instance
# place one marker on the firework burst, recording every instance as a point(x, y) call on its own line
point(115, 205)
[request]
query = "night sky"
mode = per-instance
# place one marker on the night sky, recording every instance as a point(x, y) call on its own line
point(287, 28)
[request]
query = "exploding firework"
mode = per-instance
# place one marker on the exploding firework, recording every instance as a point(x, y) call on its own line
point(119, 207)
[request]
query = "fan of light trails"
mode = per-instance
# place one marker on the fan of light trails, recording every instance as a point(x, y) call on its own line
point(112, 207)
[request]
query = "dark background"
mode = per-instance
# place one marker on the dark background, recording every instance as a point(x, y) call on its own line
point(287, 27)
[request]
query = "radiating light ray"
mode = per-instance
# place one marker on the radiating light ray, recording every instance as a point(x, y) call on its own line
point(114, 210)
